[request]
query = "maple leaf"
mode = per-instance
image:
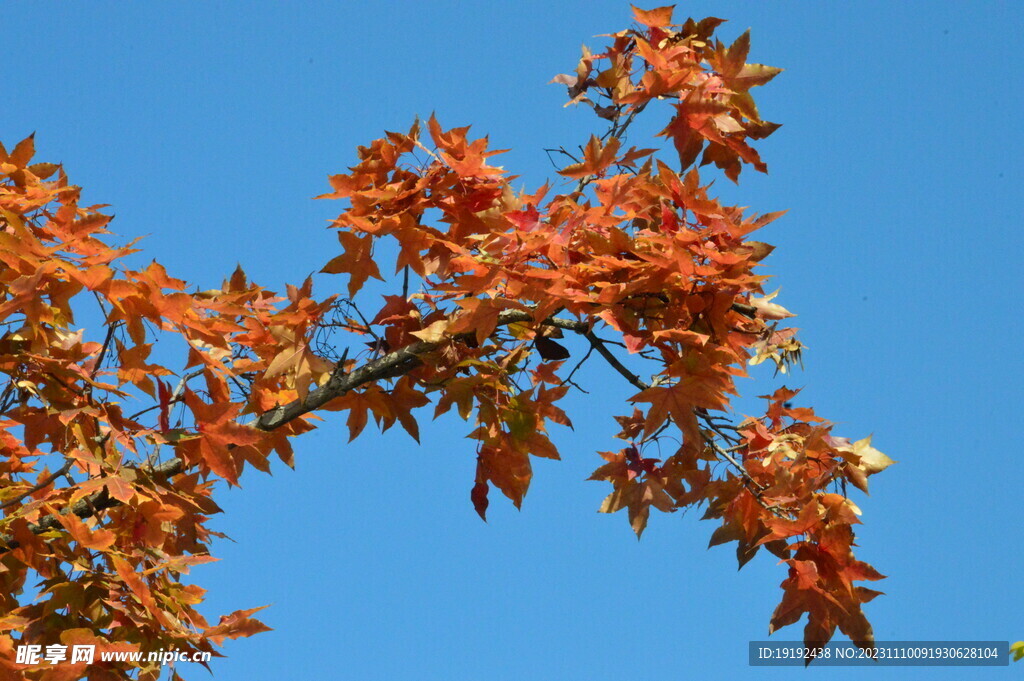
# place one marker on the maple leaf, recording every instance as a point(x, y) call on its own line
point(864, 461)
point(784, 527)
point(403, 399)
point(97, 539)
point(220, 436)
point(658, 17)
point(296, 361)
point(596, 159)
point(164, 393)
point(23, 152)
point(481, 317)
point(478, 495)
point(238, 624)
point(525, 220)
point(678, 401)
point(759, 250)
point(433, 333)
point(459, 392)
point(638, 497)
point(769, 310)
point(871, 460)
point(549, 349)
point(138, 586)
point(507, 468)
point(356, 260)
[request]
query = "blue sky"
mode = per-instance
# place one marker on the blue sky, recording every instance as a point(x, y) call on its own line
point(208, 127)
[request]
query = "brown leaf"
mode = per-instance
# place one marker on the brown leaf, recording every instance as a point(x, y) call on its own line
point(549, 349)
point(479, 498)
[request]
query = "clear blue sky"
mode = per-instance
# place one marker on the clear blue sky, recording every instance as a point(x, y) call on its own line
point(209, 126)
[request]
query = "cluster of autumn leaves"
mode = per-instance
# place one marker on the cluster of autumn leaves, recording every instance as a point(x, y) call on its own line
point(108, 506)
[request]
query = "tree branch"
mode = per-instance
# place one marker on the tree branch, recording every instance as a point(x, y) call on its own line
point(42, 484)
point(603, 350)
point(393, 364)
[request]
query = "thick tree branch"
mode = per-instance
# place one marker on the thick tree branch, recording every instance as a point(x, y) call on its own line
point(603, 350)
point(90, 505)
point(393, 364)
point(407, 358)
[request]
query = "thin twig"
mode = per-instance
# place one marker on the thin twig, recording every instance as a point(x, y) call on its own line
point(568, 379)
point(106, 346)
point(42, 484)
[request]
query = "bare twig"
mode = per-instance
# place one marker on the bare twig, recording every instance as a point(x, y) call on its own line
point(568, 379)
point(103, 350)
point(42, 484)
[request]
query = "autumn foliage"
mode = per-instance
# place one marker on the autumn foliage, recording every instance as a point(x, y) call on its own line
point(111, 458)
